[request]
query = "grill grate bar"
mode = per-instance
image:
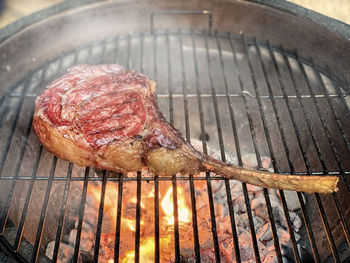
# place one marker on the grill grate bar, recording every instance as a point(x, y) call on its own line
point(234, 129)
point(138, 218)
point(43, 212)
point(104, 43)
point(222, 150)
point(268, 139)
point(218, 95)
point(116, 49)
point(194, 221)
point(81, 216)
point(142, 43)
point(100, 217)
point(319, 203)
point(156, 178)
point(155, 69)
point(188, 139)
point(184, 91)
point(212, 217)
point(171, 116)
point(156, 219)
point(119, 216)
point(131, 179)
point(128, 52)
point(199, 99)
point(227, 184)
point(176, 220)
point(170, 83)
point(215, 103)
point(204, 144)
point(62, 214)
point(26, 204)
point(244, 185)
point(233, 222)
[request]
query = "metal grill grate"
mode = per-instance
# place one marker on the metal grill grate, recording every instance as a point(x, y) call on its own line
point(245, 95)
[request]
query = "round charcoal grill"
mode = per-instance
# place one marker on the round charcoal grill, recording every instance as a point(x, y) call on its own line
point(274, 87)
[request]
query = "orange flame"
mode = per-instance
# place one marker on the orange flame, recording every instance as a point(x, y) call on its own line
point(168, 207)
point(148, 244)
point(146, 250)
point(111, 199)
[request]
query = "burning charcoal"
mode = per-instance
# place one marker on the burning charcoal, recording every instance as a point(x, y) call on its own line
point(283, 236)
point(253, 188)
point(207, 255)
point(49, 249)
point(264, 233)
point(261, 212)
point(242, 221)
point(256, 202)
point(270, 258)
point(292, 200)
point(258, 222)
point(288, 254)
point(265, 162)
point(297, 223)
point(278, 215)
point(246, 249)
point(217, 186)
point(86, 239)
point(249, 160)
point(236, 189)
point(65, 252)
point(227, 250)
point(106, 250)
point(90, 217)
point(274, 199)
point(270, 246)
point(239, 204)
point(240, 230)
point(85, 257)
point(225, 225)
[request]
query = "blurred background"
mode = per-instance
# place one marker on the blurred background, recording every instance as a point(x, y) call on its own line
point(11, 10)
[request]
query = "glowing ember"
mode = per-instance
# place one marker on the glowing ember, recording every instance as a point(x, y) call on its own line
point(134, 201)
point(131, 223)
point(168, 207)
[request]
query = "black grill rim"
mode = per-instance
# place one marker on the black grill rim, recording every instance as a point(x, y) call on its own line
point(328, 22)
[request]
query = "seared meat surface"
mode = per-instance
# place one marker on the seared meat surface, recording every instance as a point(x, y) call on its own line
point(107, 117)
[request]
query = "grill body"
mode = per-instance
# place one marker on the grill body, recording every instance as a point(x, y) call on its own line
point(275, 85)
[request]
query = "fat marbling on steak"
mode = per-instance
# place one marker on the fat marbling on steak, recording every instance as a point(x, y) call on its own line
point(107, 117)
